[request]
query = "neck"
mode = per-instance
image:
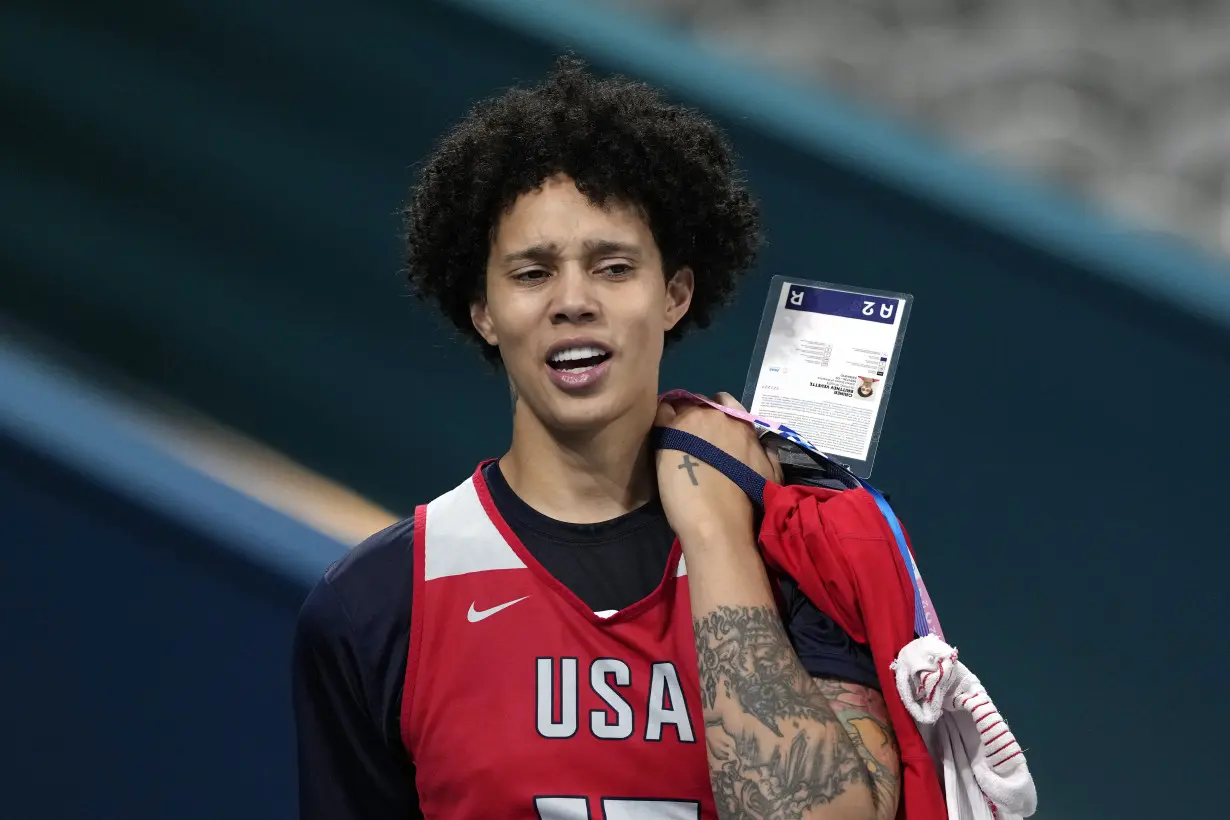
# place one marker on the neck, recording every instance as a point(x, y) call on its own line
point(583, 477)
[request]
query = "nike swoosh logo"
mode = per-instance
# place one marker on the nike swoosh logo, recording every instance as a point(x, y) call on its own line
point(475, 615)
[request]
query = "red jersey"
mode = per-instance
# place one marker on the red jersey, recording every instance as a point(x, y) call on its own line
point(521, 702)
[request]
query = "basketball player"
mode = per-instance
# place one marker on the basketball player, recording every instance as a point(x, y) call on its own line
point(582, 628)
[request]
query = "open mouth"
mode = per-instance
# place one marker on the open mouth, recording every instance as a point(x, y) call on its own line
point(577, 359)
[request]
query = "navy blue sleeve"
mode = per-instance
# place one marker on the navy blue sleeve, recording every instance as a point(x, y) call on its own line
point(350, 649)
point(824, 647)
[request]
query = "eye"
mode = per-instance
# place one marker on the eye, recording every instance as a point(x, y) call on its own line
point(616, 269)
point(531, 276)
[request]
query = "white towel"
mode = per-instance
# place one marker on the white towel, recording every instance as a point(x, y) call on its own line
point(983, 766)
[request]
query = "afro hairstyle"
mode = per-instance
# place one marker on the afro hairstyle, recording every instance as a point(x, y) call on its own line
point(620, 141)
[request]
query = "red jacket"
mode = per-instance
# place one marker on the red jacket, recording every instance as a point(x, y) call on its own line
point(841, 551)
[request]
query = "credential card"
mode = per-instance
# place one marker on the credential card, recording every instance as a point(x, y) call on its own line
point(824, 363)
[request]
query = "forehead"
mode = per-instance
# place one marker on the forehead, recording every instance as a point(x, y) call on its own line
point(559, 214)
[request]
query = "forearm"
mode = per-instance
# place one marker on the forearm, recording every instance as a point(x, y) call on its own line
point(864, 716)
point(776, 749)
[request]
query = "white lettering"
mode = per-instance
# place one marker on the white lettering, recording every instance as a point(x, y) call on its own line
point(666, 704)
point(566, 726)
point(577, 808)
point(599, 724)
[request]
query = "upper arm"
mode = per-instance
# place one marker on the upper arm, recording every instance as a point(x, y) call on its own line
point(348, 767)
point(864, 715)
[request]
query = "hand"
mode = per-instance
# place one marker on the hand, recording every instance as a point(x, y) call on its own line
point(701, 503)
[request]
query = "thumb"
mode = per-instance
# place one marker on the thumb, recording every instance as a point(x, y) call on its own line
point(665, 416)
point(727, 400)
point(775, 462)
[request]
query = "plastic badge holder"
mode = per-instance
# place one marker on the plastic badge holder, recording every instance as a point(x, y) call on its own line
point(824, 363)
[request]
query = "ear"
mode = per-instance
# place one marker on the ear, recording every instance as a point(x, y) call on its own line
point(679, 290)
point(480, 316)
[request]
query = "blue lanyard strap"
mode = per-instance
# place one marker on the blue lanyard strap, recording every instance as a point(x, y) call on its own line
point(921, 627)
point(747, 479)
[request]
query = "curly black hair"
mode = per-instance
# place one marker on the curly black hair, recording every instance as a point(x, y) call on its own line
point(620, 141)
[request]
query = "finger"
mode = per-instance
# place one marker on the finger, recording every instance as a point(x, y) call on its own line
point(727, 400)
point(665, 415)
point(771, 444)
point(775, 463)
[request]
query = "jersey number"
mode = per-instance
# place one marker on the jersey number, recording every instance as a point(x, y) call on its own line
point(577, 808)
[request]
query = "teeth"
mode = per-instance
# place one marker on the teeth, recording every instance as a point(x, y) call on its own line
point(577, 353)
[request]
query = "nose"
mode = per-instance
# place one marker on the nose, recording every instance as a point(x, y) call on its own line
point(576, 301)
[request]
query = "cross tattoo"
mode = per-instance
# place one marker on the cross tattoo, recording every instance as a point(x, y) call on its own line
point(688, 464)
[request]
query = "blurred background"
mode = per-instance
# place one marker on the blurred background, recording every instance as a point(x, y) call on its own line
point(212, 380)
point(1123, 102)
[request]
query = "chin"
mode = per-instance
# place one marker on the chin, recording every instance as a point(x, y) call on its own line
point(575, 414)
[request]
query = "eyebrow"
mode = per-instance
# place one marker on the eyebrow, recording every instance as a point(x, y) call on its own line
point(549, 251)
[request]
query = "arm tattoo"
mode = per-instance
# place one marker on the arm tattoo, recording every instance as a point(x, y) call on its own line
point(864, 715)
point(689, 465)
point(775, 747)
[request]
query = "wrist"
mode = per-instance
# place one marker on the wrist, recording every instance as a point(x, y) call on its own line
point(718, 535)
point(725, 570)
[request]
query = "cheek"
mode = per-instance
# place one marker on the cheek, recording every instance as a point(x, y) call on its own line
point(512, 325)
point(648, 329)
